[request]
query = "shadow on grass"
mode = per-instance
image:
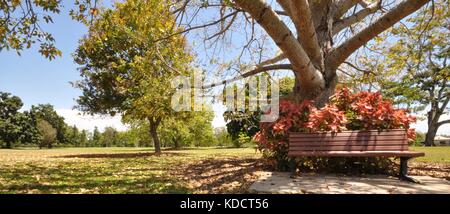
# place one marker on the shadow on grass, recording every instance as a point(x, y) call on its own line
point(221, 176)
point(149, 184)
point(118, 155)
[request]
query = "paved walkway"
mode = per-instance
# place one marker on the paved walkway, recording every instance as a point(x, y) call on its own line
point(277, 182)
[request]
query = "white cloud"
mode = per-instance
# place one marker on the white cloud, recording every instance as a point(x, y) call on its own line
point(444, 129)
point(218, 120)
point(88, 122)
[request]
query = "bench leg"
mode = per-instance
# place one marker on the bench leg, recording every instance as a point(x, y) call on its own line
point(292, 167)
point(404, 170)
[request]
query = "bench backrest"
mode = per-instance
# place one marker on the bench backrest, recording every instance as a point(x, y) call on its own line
point(392, 140)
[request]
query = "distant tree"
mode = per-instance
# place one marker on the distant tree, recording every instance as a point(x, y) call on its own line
point(10, 130)
point(124, 71)
point(83, 139)
point(47, 112)
point(415, 70)
point(109, 137)
point(73, 136)
point(424, 51)
point(223, 138)
point(96, 137)
point(47, 132)
point(29, 134)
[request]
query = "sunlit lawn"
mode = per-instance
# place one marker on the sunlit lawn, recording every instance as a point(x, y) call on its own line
point(137, 170)
point(434, 154)
point(126, 170)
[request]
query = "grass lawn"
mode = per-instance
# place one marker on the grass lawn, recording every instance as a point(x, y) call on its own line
point(127, 170)
point(434, 154)
point(137, 170)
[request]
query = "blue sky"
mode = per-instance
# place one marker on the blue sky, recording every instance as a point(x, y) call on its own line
point(37, 80)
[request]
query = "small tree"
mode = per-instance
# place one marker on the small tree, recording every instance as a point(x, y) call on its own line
point(47, 132)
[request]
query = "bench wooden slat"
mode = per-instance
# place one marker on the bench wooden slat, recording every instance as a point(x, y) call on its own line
point(346, 143)
point(392, 143)
point(352, 148)
point(347, 138)
point(349, 133)
point(357, 154)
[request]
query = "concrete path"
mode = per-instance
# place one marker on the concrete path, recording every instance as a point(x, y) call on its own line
point(277, 182)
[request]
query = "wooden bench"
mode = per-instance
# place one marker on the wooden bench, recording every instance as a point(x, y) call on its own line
point(389, 143)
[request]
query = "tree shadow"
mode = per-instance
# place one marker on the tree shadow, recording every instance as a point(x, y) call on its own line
point(118, 155)
point(221, 175)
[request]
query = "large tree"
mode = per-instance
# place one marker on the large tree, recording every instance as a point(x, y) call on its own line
point(420, 60)
point(315, 37)
point(124, 70)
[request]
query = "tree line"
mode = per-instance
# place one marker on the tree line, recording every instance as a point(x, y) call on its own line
point(42, 127)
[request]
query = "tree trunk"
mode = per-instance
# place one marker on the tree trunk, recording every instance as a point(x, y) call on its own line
point(176, 142)
point(320, 95)
point(433, 124)
point(431, 133)
point(154, 123)
point(8, 145)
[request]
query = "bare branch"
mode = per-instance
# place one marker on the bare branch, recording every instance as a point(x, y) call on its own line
point(343, 6)
point(199, 26)
point(343, 51)
point(250, 73)
point(357, 17)
point(273, 60)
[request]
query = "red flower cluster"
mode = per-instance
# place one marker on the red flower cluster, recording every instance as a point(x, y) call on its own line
point(346, 111)
point(366, 111)
point(328, 118)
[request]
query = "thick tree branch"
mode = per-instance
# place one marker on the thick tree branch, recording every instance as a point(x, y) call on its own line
point(443, 122)
point(253, 72)
point(343, 51)
point(301, 16)
point(285, 40)
point(286, 6)
point(444, 104)
point(357, 17)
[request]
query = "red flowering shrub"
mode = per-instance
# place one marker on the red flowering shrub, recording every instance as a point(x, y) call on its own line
point(368, 111)
point(346, 111)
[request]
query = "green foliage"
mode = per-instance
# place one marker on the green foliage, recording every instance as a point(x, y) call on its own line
point(242, 140)
point(223, 138)
point(124, 70)
point(109, 137)
point(47, 112)
point(15, 126)
point(20, 26)
point(240, 123)
point(47, 132)
point(188, 129)
point(96, 137)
